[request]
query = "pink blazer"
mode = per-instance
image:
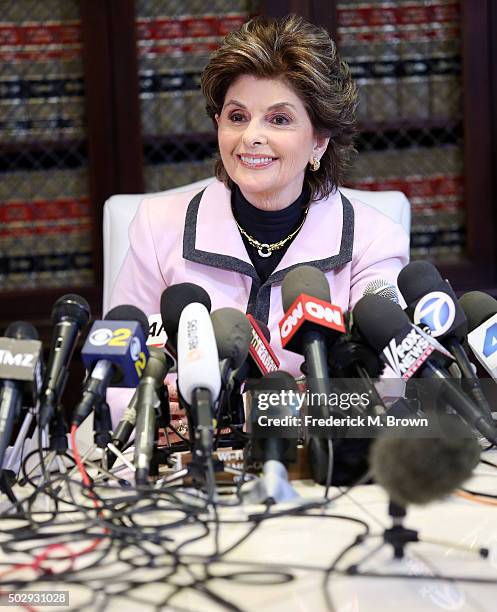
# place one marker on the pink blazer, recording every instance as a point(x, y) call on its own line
point(192, 237)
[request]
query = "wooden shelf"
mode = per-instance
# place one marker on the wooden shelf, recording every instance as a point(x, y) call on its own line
point(396, 125)
point(21, 147)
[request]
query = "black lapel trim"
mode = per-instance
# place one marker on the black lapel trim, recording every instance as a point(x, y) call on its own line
point(342, 257)
point(225, 262)
point(259, 299)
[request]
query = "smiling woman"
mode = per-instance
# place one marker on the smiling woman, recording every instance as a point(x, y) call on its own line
point(283, 104)
point(266, 140)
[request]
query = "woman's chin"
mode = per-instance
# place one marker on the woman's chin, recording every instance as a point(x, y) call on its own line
point(255, 184)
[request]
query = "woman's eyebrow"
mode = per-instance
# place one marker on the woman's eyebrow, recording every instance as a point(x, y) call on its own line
point(273, 106)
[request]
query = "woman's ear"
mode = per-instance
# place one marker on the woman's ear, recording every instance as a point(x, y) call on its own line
point(320, 145)
point(216, 117)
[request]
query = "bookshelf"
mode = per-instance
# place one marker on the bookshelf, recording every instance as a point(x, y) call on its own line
point(131, 70)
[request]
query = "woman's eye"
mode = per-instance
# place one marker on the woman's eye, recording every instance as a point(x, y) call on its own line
point(280, 120)
point(236, 117)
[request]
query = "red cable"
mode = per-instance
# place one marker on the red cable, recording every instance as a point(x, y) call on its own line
point(42, 556)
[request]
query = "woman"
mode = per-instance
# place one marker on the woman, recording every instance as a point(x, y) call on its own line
point(283, 105)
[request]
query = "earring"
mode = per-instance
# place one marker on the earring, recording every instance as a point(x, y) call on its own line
point(315, 163)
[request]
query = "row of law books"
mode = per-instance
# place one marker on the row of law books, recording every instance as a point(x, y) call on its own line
point(41, 80)
point(432, 180)
point(172, 52)
point(405, 56)
point(45, 229)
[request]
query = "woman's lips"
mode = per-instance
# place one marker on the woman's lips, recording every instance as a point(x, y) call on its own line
point(255, 163)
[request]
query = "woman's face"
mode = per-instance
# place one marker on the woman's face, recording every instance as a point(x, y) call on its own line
point(266, 140)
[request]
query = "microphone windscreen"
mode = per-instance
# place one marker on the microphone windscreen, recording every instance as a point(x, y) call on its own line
point(21, 330)
point(175, 298)
point(417, 279)
point(304, 279)
point(127, 312)
point(383, 288)
point(423, 470)
point(378, 320)
point(478, 307)
point(278, 380)
point(264, 329)
point(233, 334)
point(71, 306)
point(198, 358)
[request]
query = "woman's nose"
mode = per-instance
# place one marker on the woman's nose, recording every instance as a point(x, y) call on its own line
point(254, 134)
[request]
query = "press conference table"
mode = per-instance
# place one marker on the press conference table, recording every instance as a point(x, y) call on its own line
point(309, 544)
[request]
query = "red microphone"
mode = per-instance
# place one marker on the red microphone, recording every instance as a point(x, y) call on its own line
point(260, 350)
point(308, 313)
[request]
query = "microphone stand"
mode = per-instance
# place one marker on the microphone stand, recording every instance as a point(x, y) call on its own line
point(202, 439)
point(398, 536)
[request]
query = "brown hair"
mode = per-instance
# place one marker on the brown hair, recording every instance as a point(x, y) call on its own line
point(307, 59)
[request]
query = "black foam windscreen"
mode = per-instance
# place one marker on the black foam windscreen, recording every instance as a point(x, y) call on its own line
point(304, 279)
point(174, 299)
point(21, 330)
point(378, 320)
point(277, 380)
point(478, 307)
point(127, 312)
point(417, 279)
point(423, 470)
point(71, 306)
point(233, 334)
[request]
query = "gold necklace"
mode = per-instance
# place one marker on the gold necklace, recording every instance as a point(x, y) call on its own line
point(263, 248)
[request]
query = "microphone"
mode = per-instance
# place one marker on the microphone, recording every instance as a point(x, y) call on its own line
point(233, 334)
point(381, 287)
point(481, 312)
point(199, 379)
point(116, 354)
point(172, 302)
point(263, 359)
point(423, 470)
point(432, 304)
point(20, 373)
point(411, 352)
point(148, 409)
point(70, 315)
point(275, 452)
point(310, 323)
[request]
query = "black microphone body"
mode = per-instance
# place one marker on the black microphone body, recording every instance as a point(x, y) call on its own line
point(148, 408)
point(10, 409)
point(70, 314)
point(20, 363)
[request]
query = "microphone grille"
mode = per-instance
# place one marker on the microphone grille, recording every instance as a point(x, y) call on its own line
point(21, 330)
point(383, 288)
point(71, 306)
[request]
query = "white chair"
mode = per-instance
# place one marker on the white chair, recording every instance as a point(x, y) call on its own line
point(119, 211)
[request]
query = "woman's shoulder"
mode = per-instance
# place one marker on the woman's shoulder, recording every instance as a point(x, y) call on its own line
point(376, 233)
point(173, 204)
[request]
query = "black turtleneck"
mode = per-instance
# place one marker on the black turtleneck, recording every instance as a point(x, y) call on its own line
point(267, 226)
